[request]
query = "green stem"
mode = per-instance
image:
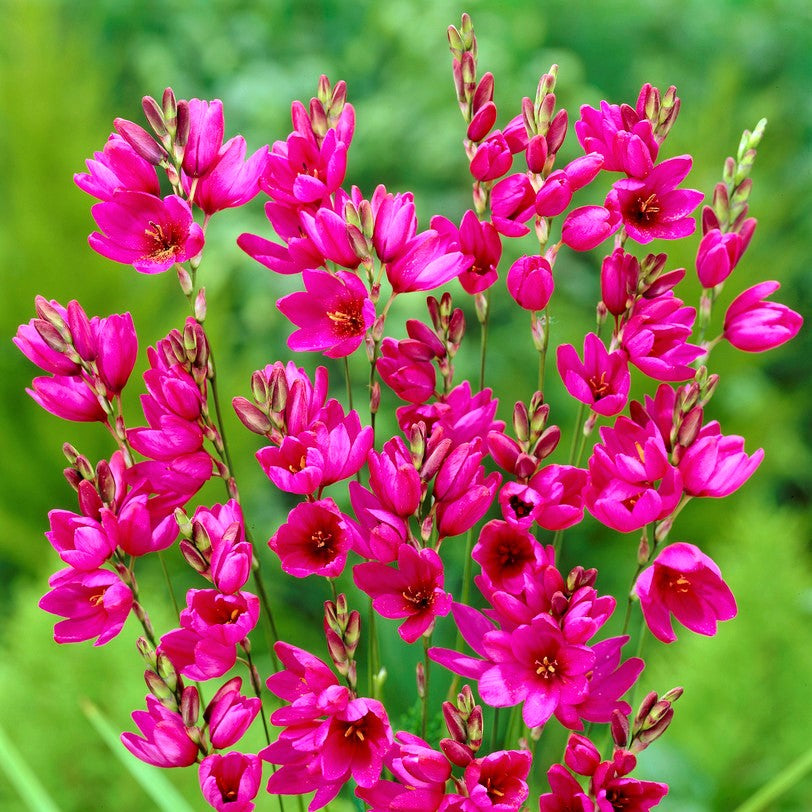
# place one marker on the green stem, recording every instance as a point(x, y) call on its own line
point(483, 345)
point(630, 600)
point(466, 592)
point(779, 784)
point(169, 584)
point(426, 674)
point(257, 692)
point(373, 666)
point(347, 380)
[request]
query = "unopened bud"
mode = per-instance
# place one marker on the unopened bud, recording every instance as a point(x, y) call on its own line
point(160, 690)
point(190, 705)
point(547, 443)
point(47, 312)
point(155, 116)
point(456, 752)
point(193, 557)
point(352, 634)
point(475, 728)
point(557, 132)
point(50, 335)
point(456, 329)
point(454, 723)
point(185, 280)
point(417, 442)
point(201, 538)
point(166, 671)
point(140, 140)
point(260, 389)
point(105, 482)
point(481, 307)
point(521, 423)
point(645, 706)
point(426, 528)
point(335, 647)
point(420, 676)
point(184, 123)
point(251, 417)
point(644, 548)
point(74, 477)
point(619, 725)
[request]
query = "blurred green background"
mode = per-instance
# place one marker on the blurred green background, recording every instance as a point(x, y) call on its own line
point(68, 68)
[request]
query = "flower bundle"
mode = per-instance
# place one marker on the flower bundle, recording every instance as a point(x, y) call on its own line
point(532, 639)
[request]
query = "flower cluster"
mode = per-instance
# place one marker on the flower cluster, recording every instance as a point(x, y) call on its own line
point(384, 513)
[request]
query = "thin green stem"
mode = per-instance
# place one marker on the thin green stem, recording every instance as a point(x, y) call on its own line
point(778, 784)
point(466, 592)
point(373, 665)
point(483, 344)
point(427, 677)
point(169, 586)
point(257, 692)
point(348, 382)
point(630, 599)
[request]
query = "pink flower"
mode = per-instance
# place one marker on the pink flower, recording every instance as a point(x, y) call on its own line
point(493, 158)
point(380, 532)
point(395, 223)
point(652, 207)
point(406, 368)
point(206, 129)
point(715, 464)
point(426, 262)
point(685, 582)
point(561, 492)
point(631, 479)
point(587, 227)
point(332, 315)
point(227, 619)
point(755, 325)
point(619, 275)
point(146, 232)
point(230, 782)
point(656, 338)
point(230, 714)
point(506, 554)
point(480, 241)
point(602, 381)
point(499, 780)
point(231, 181)
point(94, 604)
point(80, 542)
point(165, 742)
point(530, 282)
point(566, 794)
point(315, 540)
point(328, 231)
point(117, 168)
point(394, 479)
point(717, 256)
point(413, 591)
point(513, 201)
point(67, 397)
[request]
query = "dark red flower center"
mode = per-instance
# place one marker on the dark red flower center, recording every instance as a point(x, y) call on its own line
point(164, 241)
point(599, 386)
point(323, 544)
point(644, 212)
point(679, 583)
point(520, 507)
point(420, 597)
point(546, 667)
point(492, 787)
point(349, 321)
point(509, 555)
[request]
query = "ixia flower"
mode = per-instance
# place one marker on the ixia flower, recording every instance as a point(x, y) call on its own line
point(146, 232)
point(601, 382)
point(315, 540)
point(755, 325)
point(332, 314)
point(506, 554)
point(230, 782)
point(230, 714)
point(685, 582)
point(118, 167)
point(652, 207)
point(413, 591)
point(94, 604)
point(165, 741)
point(499, 780)
point(530, 282)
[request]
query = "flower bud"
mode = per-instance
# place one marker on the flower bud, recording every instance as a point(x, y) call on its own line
point(140, 140)
point(155, 116)
point(251, 417)
point(105, 482)
point(420, 676)
point(619, 726)
point(190, 705)
point(166, 671)
point(454, 723)
point(521, 423)
point(159, 689)
point(456, 752)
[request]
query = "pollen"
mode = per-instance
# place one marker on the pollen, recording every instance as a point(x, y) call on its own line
point(348, 322)
point(546, 667)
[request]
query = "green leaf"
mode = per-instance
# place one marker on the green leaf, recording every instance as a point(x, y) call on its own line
point(22, 777)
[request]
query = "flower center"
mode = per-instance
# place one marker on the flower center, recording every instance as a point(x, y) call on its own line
point(492, 788)
point(164, 243)
point(599, 386)
point(354, 730)
point(323, 544)
point(645, 211)
point(96, 600)
point(419, 597)
point(546, 667)
point(520, 507)
point(348, 322)
point(679, 584)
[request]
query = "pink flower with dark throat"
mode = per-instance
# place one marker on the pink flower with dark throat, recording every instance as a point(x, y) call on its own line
point(315, 540)
point(413, 591)
point(146, 232)
point(332, 314)
point(165, 741)
point(230, 782)
point(652, 207)
point(685, 582)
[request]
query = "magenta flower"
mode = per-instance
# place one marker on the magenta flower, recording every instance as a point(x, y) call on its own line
point(230, 714)
point(602, 381)
point(332, 315)
point(652, 207)
point(631, 479)
point(80, 542)
point(530, 282)
point(165, 741)
point(67, 397)
point(94, 604)
point(507, 553)
point(717, 256)
point(315, 540)
point(231, 181)
point(426, 262)
point(715, 464)
point(230, 783)
point(619, 274)
point(328, 231)
point(296, 466)
point(146, 232)
point(755, 325)
point(566, 794)
point(227, 619)
point(406, 368)
point(685, 582)
point(587, 227)
point(518, 503)
point(561, 491)
point(513, 201)
point(395, 223)
point(499, 780)
point(413, 591)
point(478, 240)
point(206, 129)
point(493, 158)
point(380, 533)
point(117, 168)
point(656, 338)
point(394, 479)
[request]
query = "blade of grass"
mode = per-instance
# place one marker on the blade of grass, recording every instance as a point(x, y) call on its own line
point(779, 784)
point(22, 777)
point(150, 779)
